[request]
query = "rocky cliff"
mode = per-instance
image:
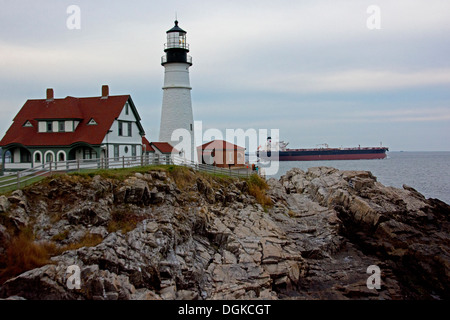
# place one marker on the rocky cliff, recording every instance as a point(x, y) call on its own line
point(176, 234)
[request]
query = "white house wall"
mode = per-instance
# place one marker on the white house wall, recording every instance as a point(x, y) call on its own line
point(16, 155)
point(113, 137)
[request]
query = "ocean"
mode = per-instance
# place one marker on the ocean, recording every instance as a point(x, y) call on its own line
point(427, 172)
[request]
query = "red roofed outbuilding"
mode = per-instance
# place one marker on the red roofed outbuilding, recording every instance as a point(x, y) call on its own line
point(221, 154)
point(164, 148)
point(146, 146)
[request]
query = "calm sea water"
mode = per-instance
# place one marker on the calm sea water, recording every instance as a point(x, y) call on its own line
point(427, 172)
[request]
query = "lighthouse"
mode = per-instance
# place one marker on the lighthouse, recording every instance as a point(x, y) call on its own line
point(176, 105)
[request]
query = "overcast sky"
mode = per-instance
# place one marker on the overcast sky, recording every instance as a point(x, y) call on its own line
point(311, 68)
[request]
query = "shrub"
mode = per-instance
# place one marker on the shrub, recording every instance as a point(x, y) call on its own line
point(61, 236)
point(24, 254)
point(182, 176)
point(257, 187)
point(89, 240)
point(124, 220)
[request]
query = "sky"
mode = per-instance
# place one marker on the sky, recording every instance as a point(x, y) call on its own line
point(320, 71)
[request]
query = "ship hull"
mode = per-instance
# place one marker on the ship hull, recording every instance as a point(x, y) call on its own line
point(324, 154)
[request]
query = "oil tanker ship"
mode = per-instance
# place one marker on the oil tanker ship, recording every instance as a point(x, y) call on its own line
point(281, 153)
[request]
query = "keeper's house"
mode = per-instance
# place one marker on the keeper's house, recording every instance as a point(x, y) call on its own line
point(49, 130)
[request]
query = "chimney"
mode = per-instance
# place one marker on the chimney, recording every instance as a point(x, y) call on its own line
point(105, 92)
point(50, 95)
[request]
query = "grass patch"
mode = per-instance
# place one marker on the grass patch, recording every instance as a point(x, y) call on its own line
point(291, 213)
point(89, 240)
point(123, 220)
point(116, 174)
point(257, 187)
point(183, 177)
point(11, 188)
point(61, 236)
point(23, 254)
point(219, 178)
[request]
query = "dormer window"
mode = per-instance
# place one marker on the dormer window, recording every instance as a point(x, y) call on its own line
point(27, 124)
point(49, 126)
point(61, 126)
point(92, 122)
point(65, 125)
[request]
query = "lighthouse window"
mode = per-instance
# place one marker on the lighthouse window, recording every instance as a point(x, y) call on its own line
point(173, 39)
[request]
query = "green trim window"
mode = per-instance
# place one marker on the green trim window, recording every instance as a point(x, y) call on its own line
point(49, 157)
point(130, 127)
point(89, 154)
point(125, 131)
point(120, 128)
point(49, 126)
point(133, 151)
point(61, 126)
point(116, 152)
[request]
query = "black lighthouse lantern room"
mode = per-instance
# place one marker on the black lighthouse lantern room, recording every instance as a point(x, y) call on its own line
point(176, 48)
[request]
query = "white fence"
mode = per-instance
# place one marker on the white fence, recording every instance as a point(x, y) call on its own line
point(22, 177)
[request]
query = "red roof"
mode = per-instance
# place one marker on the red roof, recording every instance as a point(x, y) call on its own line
point(163, 147)
point(219, 145)
point(146, 145)
point(103, 111)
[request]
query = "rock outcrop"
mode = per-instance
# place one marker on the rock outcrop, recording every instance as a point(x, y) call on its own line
point(185, 235)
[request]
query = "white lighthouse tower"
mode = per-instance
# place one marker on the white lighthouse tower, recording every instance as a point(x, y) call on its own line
point(177, 106)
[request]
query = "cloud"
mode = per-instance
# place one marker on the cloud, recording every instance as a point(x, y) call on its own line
point(286, 64)
point(352, 81)
point(405, 115)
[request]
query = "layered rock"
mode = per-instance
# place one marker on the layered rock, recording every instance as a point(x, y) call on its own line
point(205, 238)
point(407, 233)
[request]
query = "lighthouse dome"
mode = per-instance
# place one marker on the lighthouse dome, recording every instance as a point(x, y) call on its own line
point(176, 28)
